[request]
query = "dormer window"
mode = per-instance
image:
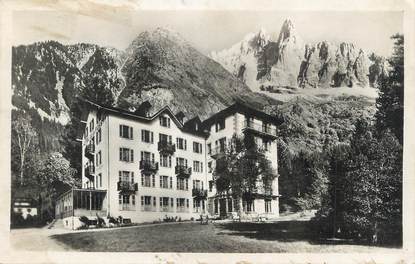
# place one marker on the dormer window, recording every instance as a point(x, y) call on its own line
point(220, 125)
point(164, 121)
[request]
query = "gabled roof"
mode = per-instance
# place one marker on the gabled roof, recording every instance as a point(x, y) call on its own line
point(240, 107)
point(142, 118)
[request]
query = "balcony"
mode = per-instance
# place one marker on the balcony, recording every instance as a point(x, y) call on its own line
point(183, 171)
point(260, 130)
point(166, 148)
point(217, 152)
point(90, 151)
point(89, 171)
point(126, 186)
point(148, 166)
point(199, 193)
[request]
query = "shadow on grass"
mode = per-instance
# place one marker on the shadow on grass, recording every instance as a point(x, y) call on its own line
point(286, 231)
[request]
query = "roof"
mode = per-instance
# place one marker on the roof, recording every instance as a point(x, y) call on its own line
point(143, 118)
point(239, 107)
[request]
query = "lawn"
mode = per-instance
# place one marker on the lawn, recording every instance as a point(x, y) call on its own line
point(284, 236)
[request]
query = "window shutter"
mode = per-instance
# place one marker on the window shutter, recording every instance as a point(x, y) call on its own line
point(120, 130)
point(171, 182)
point(161, 201)
point(119, 176)
point(202, 185)
point(169, 161)
point(132, 155)
point(170, 139)
point(161, 182)
point(132, 177)
point(131, 132)
point(168, 122)
point(201, 167)
point(142, 179)
point(120, 153)
point(154, 201)
point(187, 185)
point(185, 144)
point(152, 138)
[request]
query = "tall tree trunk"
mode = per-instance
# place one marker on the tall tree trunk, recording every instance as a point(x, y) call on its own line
point(21, 168)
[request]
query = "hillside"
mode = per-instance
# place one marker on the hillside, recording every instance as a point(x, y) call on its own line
point(165, 69)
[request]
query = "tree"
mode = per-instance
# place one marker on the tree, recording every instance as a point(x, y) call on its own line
point(23, 137)
point(56, 174)
point(243, 170)
point(390, 103)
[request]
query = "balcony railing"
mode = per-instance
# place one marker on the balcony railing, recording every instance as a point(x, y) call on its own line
point(260, 129)
point(217, 152)
point(127, 186)
point(183, 171)
point(149, 166)
point(165, 147)
point(90, 151)
point(148, 208)
point(199, 193)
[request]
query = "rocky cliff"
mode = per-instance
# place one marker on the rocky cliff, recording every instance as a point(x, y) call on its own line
point(288, 62)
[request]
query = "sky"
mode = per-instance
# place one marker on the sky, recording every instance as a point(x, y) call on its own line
point(208, 30)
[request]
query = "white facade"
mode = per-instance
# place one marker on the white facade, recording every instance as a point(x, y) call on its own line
point(120, 141)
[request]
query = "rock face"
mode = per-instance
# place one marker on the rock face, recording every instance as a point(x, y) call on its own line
point(290, 63)
point(165, 69)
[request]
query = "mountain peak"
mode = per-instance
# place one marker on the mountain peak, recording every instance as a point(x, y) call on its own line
point(287, 31)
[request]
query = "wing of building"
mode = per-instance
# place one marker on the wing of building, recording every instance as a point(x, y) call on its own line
point(145, 166)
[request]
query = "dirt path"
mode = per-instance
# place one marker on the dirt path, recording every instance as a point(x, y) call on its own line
point(36, 239)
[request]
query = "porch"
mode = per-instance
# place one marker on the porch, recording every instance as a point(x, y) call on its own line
point(81, 202)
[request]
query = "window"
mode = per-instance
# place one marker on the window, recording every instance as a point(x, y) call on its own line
point(99, 158)
point(146, 200)
point(165, 161)
point(210, 186)
point(147, 136)
point(181, 143)
point(182, 184)
point(91, 125)
point(98, 136)
point(197, 147)
point(164, 182)
point(180, 202)
point(220, 125)
point(148, 180)
point(100, 179)
point(222, 144)
point(164, 201)
point(197, 166)
point(265, 127)
point(126, 176)
point(126, 202)
point(164, 121)
point(126, 154)
point(164, 138)
point(147, 156)
point(267, 206)
point(181, 162)
point(210, 167)
point(126, 132)
point(267, 145)
point(209, 148)
point(198, 184)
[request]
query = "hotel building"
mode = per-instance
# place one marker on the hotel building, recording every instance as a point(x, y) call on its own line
point(144, 167)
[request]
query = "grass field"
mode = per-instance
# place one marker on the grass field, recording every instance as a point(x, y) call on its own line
point(284, 236)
